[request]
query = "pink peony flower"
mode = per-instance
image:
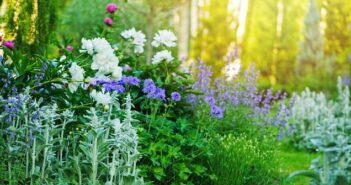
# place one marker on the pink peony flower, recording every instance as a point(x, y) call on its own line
point(69, 48)
point(111, 8)
point(108, 21)
point(9, 44)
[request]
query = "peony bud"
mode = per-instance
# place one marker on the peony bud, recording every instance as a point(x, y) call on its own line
point(111, 8)
point(127, 68)
point(108, 21)
point(9, 44)
point(106, 108)
point(69, 48)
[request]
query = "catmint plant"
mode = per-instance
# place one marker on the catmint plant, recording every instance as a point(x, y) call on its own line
point(266, 107)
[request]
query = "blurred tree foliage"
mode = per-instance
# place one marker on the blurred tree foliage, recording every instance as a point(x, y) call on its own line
point(338, 34)
point(287, 47)
point(30, 23)
point(312, 64)
point(272, 32)
point(82, 18)
point(311, 54)
point(145, 15)
point(261, 35)
point(216, 32)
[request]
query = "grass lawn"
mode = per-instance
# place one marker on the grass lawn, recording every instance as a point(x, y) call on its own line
point(292, 160)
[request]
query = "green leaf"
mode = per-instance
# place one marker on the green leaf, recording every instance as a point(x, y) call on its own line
point(158, 173)
point(306, 173)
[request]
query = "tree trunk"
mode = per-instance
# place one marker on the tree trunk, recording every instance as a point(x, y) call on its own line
point(149, 34)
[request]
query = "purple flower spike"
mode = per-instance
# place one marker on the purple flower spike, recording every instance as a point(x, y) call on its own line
point(111, 8)
point(176, 96)
point(217, 111)
point(210, 100)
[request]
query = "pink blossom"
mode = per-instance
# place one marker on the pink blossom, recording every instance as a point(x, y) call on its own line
point(127, 68)
point(69, 48)
point(108, 21)
point(9, 44)
point(111, 8)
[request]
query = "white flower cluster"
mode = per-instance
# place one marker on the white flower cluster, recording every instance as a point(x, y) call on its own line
point(104, 59)
point(77, 74)
point(101, 97)
point(164, 38)
point(164, 55)
point(137, 37)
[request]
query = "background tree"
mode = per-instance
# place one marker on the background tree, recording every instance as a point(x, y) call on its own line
point(30, 23)
point(217, 29)
point(261, 38)
point(338, 33)
point(288, 46)
point(312, 65)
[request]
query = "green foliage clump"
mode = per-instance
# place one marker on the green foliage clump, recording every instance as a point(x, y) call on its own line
point(241, 159)
point(241, 152)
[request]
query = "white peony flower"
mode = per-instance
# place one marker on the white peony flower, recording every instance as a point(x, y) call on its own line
point(104, 62)
point(101, 97)
point(102, 46)
point(77, 74)
point(138, 39)
point(160, 56)
point(117, 73)
point(164, 37)
point(87, 46)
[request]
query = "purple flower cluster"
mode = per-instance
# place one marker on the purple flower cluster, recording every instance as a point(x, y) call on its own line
point(149, 86)
point(130, 80)
point(216, 111)
point(113, 85)
point(7, 81)
point(12, 108)
point(41, 75)
point(152, 91)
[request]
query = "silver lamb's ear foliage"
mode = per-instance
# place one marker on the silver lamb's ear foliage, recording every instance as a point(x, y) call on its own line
point(325, 126)
point(125, 141)
point(118, 146)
